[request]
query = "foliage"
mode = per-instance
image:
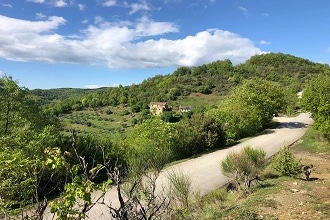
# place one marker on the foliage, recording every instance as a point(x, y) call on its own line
point(315, 99)
point(151, 143)
point(243, 167)
point(76, 198)
point(180, 190)
point(249, 108)
point(198, 134)
point(218, 78)
point(18, 107)
point(286, 163)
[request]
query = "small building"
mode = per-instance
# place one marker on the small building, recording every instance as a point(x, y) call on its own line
point(157, 108)
point(183, 109)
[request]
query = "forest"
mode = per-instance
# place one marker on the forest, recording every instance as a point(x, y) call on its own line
point(64, 144)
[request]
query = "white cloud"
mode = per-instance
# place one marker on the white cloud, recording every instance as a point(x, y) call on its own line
point(263, 42)
point(54, 3)
point(37, 1)
point(109, 3)
point(81, 7)
point(264, 14)
point(96, 86)
point(117, 45)
point(242, 9)
point(147, 27)
point(135, 7)
point(40, 16)
point(59, 3)
point(6, 5)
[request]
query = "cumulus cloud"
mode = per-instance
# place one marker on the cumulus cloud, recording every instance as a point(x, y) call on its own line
point(119, 45)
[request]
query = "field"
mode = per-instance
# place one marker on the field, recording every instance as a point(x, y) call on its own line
point(120, 120)
point(101, 121)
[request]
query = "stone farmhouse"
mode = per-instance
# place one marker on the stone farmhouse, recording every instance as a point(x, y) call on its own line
point(157, 108)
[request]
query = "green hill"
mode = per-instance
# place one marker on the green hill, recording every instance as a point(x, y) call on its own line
point(199, 87)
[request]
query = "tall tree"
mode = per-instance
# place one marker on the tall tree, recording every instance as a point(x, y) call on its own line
point(17, 106)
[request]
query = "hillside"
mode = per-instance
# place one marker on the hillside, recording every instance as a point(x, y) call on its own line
point(199, 87)
point(217, 78)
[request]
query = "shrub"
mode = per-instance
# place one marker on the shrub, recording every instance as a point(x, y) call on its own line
point(244, 167)
point(243, 213)
point(286, 163)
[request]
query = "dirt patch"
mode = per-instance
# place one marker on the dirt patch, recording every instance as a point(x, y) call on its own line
point(301, 199)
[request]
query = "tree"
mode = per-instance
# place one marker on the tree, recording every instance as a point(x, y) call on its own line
point(249, 108)
point(316, 99)
point(18, 107)
point(151, 143)
point(198, 134)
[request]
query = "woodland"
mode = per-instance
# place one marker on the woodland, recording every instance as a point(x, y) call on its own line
point(63, 144)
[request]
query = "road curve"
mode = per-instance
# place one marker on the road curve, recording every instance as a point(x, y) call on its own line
point(204, 171)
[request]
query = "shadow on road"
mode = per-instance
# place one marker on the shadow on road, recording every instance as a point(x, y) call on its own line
point(292, 125)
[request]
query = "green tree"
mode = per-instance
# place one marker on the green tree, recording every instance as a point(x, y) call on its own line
point(18, 107)
point(151, 143)
point(249, 108)
point(316, 99)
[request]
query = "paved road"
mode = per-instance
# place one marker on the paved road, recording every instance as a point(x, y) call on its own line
point(204, 171)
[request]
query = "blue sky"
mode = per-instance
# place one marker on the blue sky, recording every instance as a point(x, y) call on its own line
point(92, 43)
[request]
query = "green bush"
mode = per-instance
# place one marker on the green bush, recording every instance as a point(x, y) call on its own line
point(286, 163)
point(243, 167)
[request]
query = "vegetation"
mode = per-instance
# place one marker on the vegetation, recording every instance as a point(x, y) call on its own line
point(243, 167)
point(286, 163)
point(249, 108)
point(73, 142)
point(316, 99)
point(273, 198)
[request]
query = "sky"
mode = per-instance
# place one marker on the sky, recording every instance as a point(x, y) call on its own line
point(97, 43)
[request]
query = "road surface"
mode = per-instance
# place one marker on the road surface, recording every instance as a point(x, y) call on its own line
point(204, 171)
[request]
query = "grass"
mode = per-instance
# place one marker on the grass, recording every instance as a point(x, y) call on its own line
point(121, 120)
point(314, 142)
point(98, 122)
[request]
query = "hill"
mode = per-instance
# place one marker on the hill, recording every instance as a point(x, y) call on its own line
point(199, 87)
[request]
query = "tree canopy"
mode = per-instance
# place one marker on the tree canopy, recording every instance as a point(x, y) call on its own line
point(316, 100)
